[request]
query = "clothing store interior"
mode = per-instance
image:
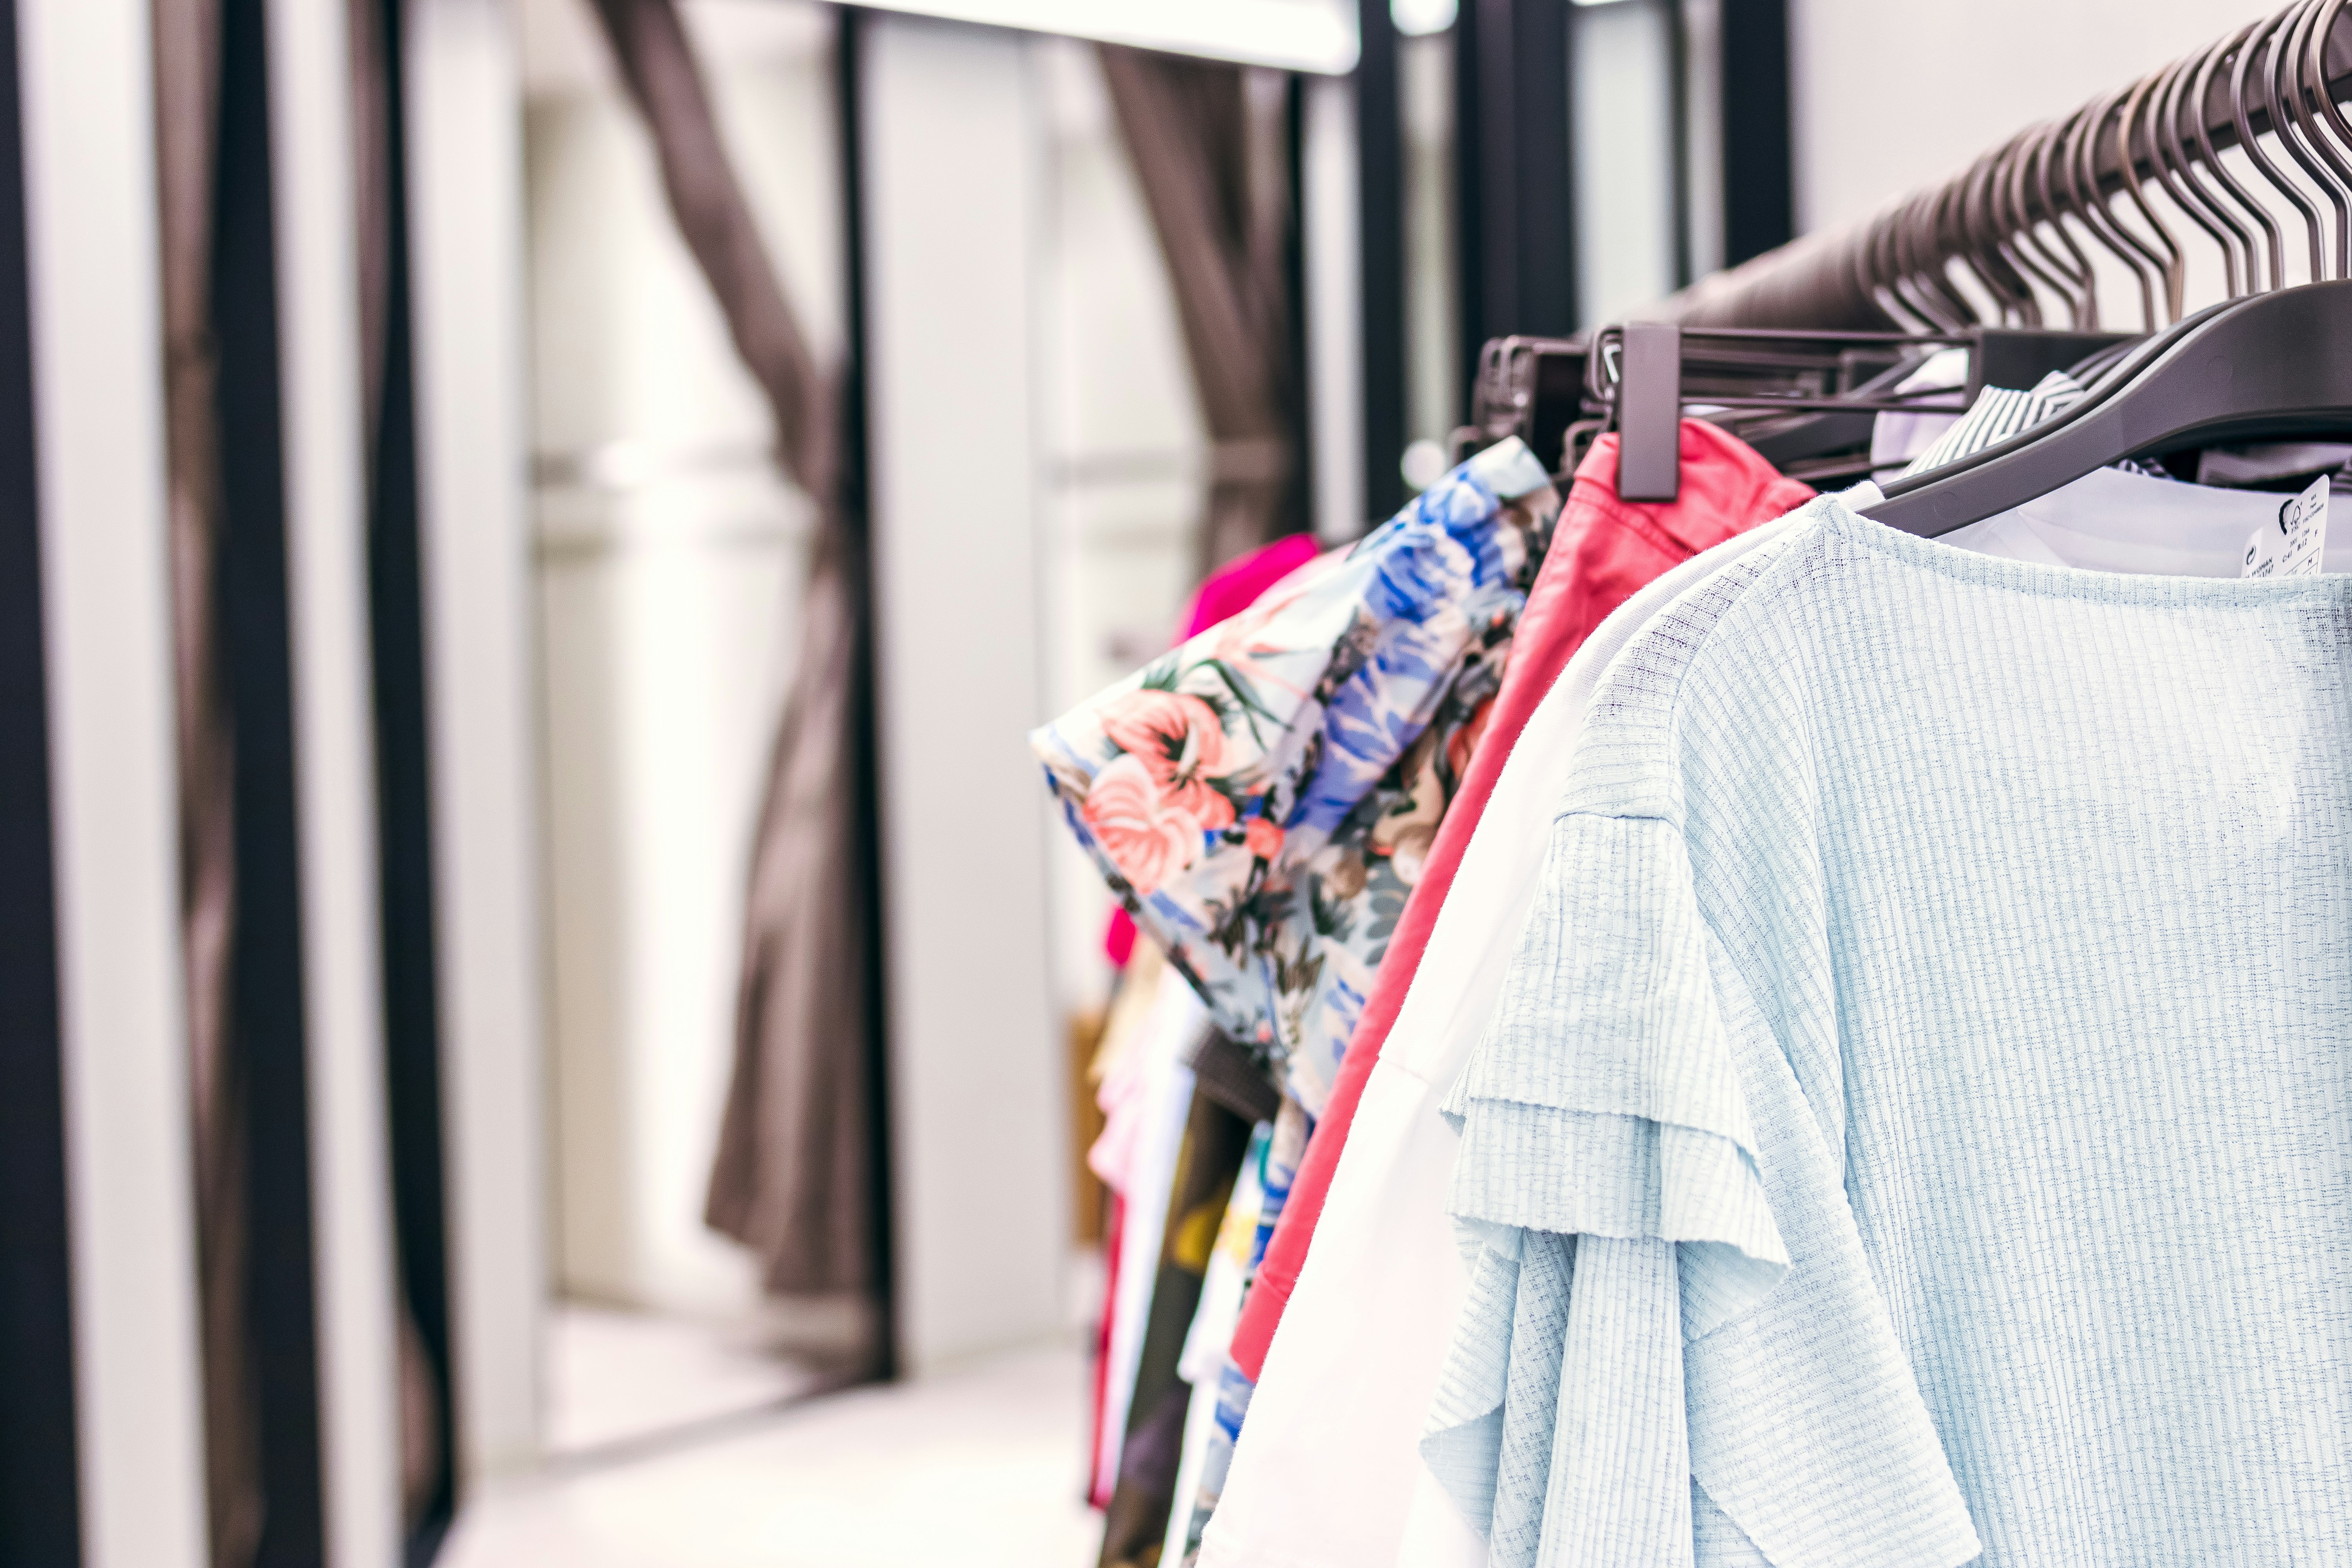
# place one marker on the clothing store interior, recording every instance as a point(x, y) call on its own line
point(1102, 784)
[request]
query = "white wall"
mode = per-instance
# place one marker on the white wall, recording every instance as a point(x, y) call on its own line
point(1892, 94)
point(955, 170)
point(464, 151)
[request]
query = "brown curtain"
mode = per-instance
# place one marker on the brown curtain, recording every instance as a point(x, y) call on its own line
point(793, 1178)
point(187, 98)
point(1211, 144)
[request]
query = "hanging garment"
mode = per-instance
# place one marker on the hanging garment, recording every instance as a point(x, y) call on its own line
point(1324, 1442)
point(1998, 413)
point(1203, 1359)
point(1208, 1166)
point(1897, 436)
point(1231, 1387)
point(2112, 519)
point(1142, 1170)
point(1327, 1461)
point(1262, 797)
point(1102, 1437)
point(1119, 1074)
point(1889, 1143)
point(1603, 549)
point(1122, 1069)
point(1226, 592)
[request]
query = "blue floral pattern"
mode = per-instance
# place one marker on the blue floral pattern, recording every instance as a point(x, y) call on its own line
point(1262, 797)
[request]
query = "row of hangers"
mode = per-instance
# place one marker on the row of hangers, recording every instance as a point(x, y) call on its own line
point(2016, 222)
point(1801, 347)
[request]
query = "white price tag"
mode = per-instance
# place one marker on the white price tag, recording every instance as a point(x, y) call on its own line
point(2289, 546)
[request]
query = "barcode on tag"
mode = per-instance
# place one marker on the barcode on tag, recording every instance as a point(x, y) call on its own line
point(2290, 546)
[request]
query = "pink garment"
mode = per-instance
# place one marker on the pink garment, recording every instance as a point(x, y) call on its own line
point(1603, 549)
point(1227, 592)
point(1100, 1480)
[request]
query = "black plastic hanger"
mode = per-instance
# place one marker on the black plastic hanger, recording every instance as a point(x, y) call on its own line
point(2274, 364)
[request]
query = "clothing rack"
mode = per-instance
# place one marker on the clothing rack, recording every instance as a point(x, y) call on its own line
point(1824, 281)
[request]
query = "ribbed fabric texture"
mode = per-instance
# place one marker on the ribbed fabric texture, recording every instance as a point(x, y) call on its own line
point(1975, 932)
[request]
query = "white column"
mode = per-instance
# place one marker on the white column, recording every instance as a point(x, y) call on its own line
point(1334, 285)
point(98, 357)
point(334, 758)
point(466, 219)
point(953, 194)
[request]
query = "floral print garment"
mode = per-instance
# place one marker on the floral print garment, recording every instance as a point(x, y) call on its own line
point(1260, 798)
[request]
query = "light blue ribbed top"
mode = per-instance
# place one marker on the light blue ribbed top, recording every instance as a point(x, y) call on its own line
point(1933, 1034)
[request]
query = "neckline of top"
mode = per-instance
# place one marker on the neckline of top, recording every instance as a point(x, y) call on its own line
point(2045, 580)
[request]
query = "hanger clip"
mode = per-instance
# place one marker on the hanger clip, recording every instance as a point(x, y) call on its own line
point(1649, 411)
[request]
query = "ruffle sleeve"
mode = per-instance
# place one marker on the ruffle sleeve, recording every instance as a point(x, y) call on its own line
point(1647, 1207)
point(1604, 1100)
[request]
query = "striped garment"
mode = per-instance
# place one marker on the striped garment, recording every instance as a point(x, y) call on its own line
point(1998, 413)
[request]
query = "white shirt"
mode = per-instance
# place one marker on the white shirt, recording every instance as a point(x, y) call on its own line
point(2110, 520)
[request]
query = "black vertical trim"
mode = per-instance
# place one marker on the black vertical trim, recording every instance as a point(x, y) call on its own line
point(1477, 180)
point(1759, 181)
point(266, 1022)
point(1380, 160)
point(1515, 178)
point(1542, 105)
point(40, 1515)
point(1300, 403)
point(1679, 89)
point(857, 532)
point(404, 823)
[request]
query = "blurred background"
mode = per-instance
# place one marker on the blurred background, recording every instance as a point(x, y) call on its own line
point(548, 1020)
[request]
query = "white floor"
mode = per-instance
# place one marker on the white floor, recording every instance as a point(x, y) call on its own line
point(978, 1467)
point(619, 1377)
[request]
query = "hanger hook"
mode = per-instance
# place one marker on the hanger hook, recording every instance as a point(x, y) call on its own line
point(1927, 233)
point(2300, 66)
point(2077, 265)
point(2082, 173)
point(1942, 244)
point(1875, 274)
point(2280, 90)
point(1984, 245)
point(2011, 222)
point(2315, 84)
point(2130, 117)
point(2066, 181)
point(1904, 273)
point(2210, 79)
point(1911, 271)
point(2178, 172)
point(2241, 113)
point(1868, 262)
